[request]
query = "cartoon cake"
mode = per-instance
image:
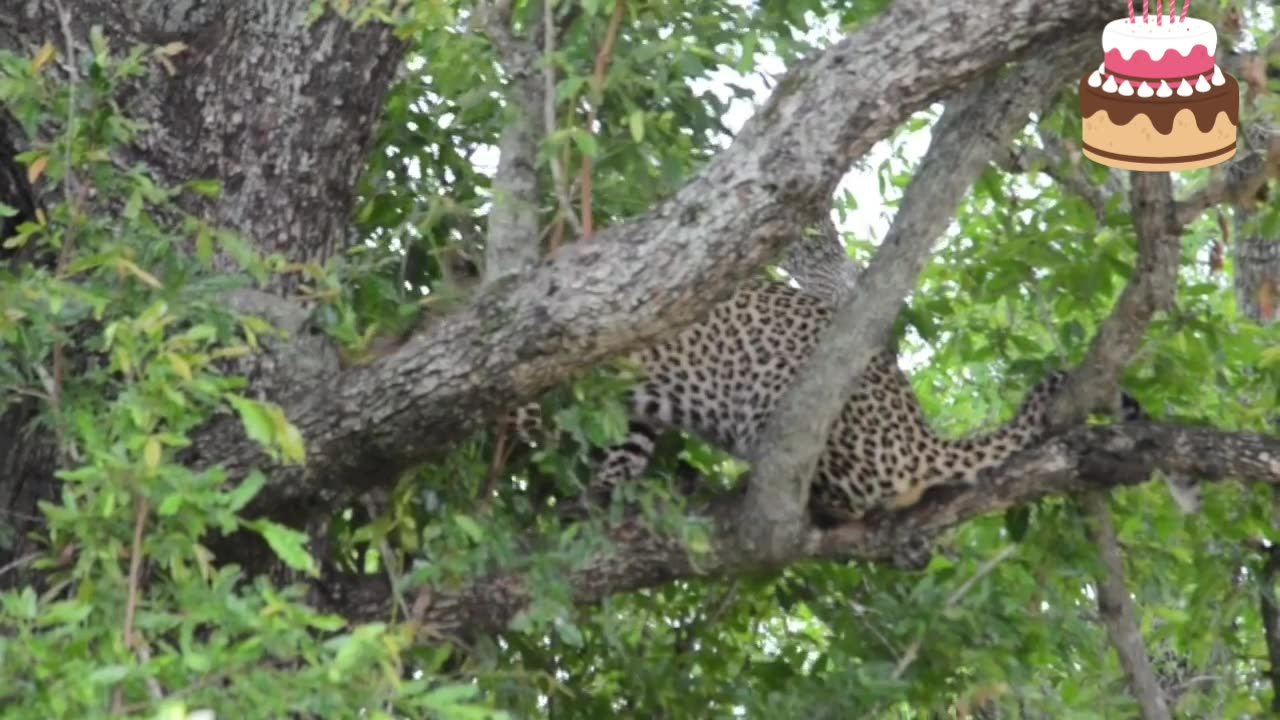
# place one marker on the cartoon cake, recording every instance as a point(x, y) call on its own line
point(1159, 101)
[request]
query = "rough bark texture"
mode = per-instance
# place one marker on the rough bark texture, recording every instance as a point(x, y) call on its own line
point(280, 112)
point(1082, 459)
point(1257, 265)
point(1151, 289)
point(641, 279)
point(1269, 609)
point(511, 245)
point(974, 126)
point(1118, 614)
point(283, 114)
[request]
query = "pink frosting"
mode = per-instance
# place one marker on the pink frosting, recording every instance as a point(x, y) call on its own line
point(1172, 65)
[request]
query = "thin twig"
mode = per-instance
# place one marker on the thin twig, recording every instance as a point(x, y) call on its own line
point(985, 569)
point(687, 634)
point(70, 197)
point(565, 211)
point(17, 563)
point(501, 453)
point(393, 577)
point(597, 93)
point(135, 574)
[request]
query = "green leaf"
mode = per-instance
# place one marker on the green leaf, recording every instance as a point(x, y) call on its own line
point(1016, 521)
point(635, 121)
point(470, 527)
point(287, 435)
point(450, 695)
point(211, 188)
point(108, 675)
point(288, 544)
point(245, 491)
point(170, 505)
point(585, 142)
point(1269, 357)
point(255, 418)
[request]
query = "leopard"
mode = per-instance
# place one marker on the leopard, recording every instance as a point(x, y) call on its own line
point(720, 380)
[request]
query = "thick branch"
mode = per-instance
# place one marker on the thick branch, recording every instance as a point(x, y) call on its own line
point(974, 127)
point(1085, 458)
point(1241, 179)
point(1270, 611)
point(512, 243)
point(1152, 288)
point(1118, 614)
point(649, 277)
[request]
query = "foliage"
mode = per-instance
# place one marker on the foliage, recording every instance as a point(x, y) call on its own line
point(117, 271)
point(1003, 617)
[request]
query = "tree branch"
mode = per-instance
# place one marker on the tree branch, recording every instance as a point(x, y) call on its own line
point(1151, 288)
point(1084, 458)
point(1093, 385)
point(972, 129)
point(653, 275)
point(1270, 612)
point(512, 243)
point(603, 56)
point(1118, 614)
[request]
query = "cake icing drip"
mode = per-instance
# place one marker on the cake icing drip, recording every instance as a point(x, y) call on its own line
point(1157, 39)
point(1172, 65)
point(1162, 109)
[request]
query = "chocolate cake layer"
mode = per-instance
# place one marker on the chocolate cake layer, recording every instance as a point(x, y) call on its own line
point(1206, 107)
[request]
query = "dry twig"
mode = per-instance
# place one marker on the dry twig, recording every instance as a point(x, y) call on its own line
point(597, 97)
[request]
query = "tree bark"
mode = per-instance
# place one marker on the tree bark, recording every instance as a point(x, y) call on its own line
point(639, 280)
point(282, 113)
point(1087, 458)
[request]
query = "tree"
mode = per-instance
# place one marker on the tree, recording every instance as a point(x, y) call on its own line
point(264, 306)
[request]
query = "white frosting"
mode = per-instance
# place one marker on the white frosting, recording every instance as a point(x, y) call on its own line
point(1182, 36)
point(1127, 88)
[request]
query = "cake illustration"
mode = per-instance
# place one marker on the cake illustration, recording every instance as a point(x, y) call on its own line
point(1159, 101)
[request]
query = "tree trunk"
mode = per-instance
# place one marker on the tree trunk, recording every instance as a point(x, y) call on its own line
point(280, 111)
